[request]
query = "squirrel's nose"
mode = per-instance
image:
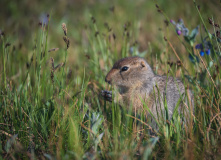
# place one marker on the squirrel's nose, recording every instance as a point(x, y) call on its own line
point(107, 79)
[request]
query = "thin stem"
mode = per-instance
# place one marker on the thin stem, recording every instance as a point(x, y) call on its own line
point(3, 59)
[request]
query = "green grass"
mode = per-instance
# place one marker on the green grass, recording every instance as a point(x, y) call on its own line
point(49, 101)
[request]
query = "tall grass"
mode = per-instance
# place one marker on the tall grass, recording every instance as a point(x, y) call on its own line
point(51, 109)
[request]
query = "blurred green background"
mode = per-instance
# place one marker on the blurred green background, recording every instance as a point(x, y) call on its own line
point(20, 18)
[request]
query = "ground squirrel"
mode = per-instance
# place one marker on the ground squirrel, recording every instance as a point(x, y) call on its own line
point(135, 82)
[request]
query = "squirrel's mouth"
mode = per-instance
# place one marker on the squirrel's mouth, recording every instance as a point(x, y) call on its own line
point(108, 81)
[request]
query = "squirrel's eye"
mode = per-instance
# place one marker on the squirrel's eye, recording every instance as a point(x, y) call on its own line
point(125, 68)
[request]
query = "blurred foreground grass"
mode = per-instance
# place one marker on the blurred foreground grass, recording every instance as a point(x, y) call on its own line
point(49, 101)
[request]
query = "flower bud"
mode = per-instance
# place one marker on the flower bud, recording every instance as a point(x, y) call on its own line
point(208, 51)
point(201, 53)
point(179, 32)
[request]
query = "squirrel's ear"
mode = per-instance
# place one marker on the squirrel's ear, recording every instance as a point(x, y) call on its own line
point(143, 64)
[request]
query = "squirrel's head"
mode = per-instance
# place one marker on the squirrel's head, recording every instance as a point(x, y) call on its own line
point(129, 71)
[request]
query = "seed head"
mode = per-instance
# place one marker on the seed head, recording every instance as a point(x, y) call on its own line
point(179, 63)
point(128, 35)
point(126, 26)
point(107, 26)
point(69, 74)
point(53, 49)
point(166, 22)
point(96, 33)
point(7, 45)
point(211, 21)
point(114, 36)
point(67, 41)
point(52, 76)
point(170, 63)
point(198, 7)
point(52, 63)
point(88, 57)
point(52, 70)
point(159, 10)
point(112, 9)
point(216, 25)
point(28, 65)
point(40, 24)
point(2, 33)
point(218, 34)
point(58, 66)
point(93, 19)
point(64, 29)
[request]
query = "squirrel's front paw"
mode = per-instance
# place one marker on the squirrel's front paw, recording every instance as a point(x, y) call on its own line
point(107, 95)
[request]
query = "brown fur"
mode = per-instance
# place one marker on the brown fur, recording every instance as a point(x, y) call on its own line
point(140, 83)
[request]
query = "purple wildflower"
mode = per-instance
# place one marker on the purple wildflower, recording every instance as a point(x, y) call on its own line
point(44, 19)
point(180, 21)
point(179, 32)
point(185, 32)
point(208, 51)
point(199, 46)
point(173, 22)
point(205, 46)
point(180, 27)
